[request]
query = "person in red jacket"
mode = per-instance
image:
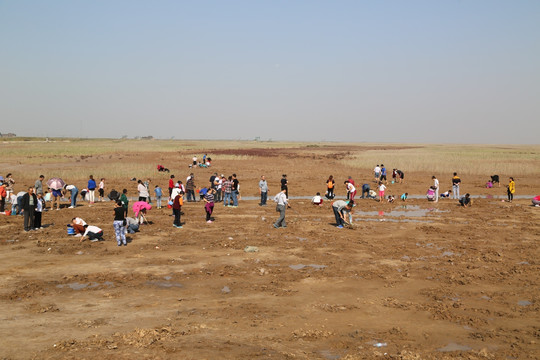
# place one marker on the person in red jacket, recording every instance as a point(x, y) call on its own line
point(171, 185)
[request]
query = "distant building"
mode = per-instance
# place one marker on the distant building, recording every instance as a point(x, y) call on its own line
point(8, 135)
point(147, 138)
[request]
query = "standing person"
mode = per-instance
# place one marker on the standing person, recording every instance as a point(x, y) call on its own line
point(119, 224)
point(74, 192)
point(284, 184)
point(101, 190)
point(91, 189)
point(456, 182)
point(39, 210)
point(511, 189)
point(38, 186)
point(227, 192)
point(209, 204)
point(377, 172)
point(3, 196)
point(171, 185)
point(365, 190)
point(147, 184)
point(282, 205)
point(330, 183)
point(351, 190)
point(159, 193)
point(57, 194)
point(125, 201)
point(28, 205)
point(219, 185)
point(190, 188)
point(339, 207)
point(263, 190)
point(212, 181)
point(383, 174)
point(194, 161)
point(235, 190)
point(436, 188)
point(382, 187)
point(9, 188)
point(143, 191)
point(178, 201)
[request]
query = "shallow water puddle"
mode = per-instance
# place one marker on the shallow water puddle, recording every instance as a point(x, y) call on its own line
point(455, 347)
point(524, 303)
point(80, 286)
point(164, 284)
point(403, 212)
point(302, 266)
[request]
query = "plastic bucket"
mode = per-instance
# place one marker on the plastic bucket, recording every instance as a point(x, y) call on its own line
point(8, 212)
point(70, 230)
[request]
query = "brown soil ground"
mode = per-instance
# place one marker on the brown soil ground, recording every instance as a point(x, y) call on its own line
point(439, 282)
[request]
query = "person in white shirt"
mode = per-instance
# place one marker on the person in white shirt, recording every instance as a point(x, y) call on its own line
point(101, 189)
point(382, 187)
point(143, 191)
point(93, 233)
point(436, 186)
point(317, 199)
point(377, 172)
point(282, 205)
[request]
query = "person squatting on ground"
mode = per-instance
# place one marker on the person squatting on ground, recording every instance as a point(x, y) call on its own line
point(78, 225)
point(282, 205)
point(132, 225)
point(91, 189)
point(536, 200)
point(93, 233)
point(465, 201)
point(119, 224)
point(209, 204)
point(263, 190)
point(340, 207)
point(28, 205)
point(511, 189)
point(178, 201)
point(456, 182)
point(317, 199)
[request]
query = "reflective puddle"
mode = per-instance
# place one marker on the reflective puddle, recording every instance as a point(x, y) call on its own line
point(403, 212)
point(302, 266)
point(80, 286)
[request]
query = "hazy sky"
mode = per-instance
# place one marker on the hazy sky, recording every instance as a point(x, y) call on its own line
point(392, 71)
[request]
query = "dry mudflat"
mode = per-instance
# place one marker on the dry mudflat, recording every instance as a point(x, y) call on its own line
point(412, 280)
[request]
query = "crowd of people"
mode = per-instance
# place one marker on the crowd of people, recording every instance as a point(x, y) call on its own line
point(219, 188)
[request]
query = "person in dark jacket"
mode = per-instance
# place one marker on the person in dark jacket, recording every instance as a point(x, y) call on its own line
point(29, 204)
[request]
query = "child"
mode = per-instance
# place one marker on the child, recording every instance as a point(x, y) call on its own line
point(209, 204)
point(93, 233)
point(317, 200)
point(446, 194)
point(178, 201)
point(38, 212)
point(381, 191)
point(404, 196)
point(125, 201)
point(101, 190)
point(489, 184)
point(119, 224)
point(391, 198)
point(351, 190)
point(159, 193)
point(431, 194)
point(78, 225)
point(202, 192)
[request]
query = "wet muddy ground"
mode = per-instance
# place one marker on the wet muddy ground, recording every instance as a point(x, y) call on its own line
point(413, 280)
